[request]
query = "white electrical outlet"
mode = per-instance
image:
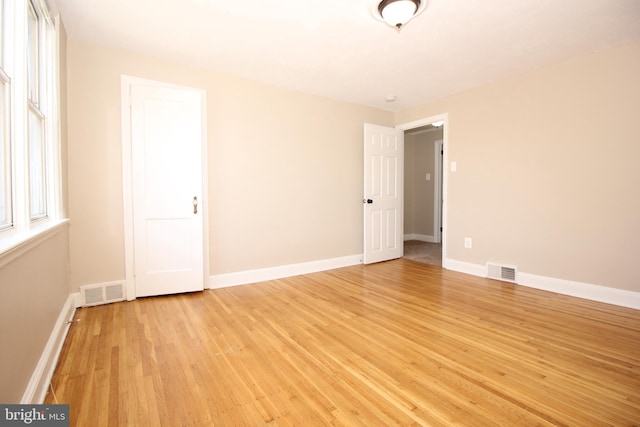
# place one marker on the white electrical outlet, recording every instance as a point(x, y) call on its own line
point(454, 166)
point(468, 243)
point(428, 177)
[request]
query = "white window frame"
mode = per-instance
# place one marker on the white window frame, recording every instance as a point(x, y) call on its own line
point(25, 229)
point(33, 90)
point(6, 205)
point(6, 197)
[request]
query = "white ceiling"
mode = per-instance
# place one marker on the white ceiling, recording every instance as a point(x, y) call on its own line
point(336, 49)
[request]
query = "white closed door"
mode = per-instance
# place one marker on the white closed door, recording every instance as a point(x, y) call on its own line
point(383, 193)
point(166, 177)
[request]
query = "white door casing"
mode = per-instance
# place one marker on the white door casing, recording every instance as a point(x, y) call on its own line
point(383, 202)
point(167, 219)
point(437, 193)
point(444, 171)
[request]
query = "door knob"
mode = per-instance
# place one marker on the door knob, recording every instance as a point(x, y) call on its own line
point(367, 201)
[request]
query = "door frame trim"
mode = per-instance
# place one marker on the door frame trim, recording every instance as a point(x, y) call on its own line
point(126, 82)
point(445, 176)
point(437, 190)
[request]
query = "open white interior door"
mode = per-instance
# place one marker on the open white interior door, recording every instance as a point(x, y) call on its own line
point(167, 189)
point(383, 201)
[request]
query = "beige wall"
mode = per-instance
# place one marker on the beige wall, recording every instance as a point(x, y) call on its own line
point(285, 168)
point(34, 289)
point(548, 170)
point(419, 193)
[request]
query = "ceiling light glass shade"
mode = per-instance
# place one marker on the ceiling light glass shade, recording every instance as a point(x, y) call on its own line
point(398, 12)
point(438, 123)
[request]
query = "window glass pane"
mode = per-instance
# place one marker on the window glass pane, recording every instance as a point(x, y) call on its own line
point(32, 55)
point(5, 192)
point(36, 167)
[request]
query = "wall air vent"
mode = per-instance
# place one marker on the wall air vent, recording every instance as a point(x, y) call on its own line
point(502, 272)
point(104, 293)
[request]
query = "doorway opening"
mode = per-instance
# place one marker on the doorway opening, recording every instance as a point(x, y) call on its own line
point(424, 190)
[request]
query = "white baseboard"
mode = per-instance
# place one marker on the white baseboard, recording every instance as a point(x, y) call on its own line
point(465, 267)
point(77, 299)
point(41, 377)
point(588, 291)
point(272, 273)
point(420, 237)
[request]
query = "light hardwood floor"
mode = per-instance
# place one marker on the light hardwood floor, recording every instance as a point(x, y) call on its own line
point(395, 343)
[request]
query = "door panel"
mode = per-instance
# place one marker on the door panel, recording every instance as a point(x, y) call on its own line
point(166, 147)
point(383, 187)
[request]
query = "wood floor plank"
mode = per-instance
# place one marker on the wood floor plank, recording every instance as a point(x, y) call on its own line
point(395, 343)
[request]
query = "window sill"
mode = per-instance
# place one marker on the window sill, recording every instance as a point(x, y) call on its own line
point(16, 243)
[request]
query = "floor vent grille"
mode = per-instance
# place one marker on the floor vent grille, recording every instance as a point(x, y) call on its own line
point(104, 293)
point(502, 272)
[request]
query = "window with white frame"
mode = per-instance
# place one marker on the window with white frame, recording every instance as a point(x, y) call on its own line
point(6, 211)
point(29, 132)
point(35, 130)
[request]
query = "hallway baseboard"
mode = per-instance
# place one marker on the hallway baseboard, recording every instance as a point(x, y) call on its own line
point(421, 237)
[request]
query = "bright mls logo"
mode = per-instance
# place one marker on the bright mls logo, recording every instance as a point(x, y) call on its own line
point(34, 415)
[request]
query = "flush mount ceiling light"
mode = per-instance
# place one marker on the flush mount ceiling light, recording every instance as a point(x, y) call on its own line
point(397, 13)
point(438, 123)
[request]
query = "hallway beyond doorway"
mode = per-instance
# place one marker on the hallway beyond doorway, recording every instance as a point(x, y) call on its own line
point(424, 252)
